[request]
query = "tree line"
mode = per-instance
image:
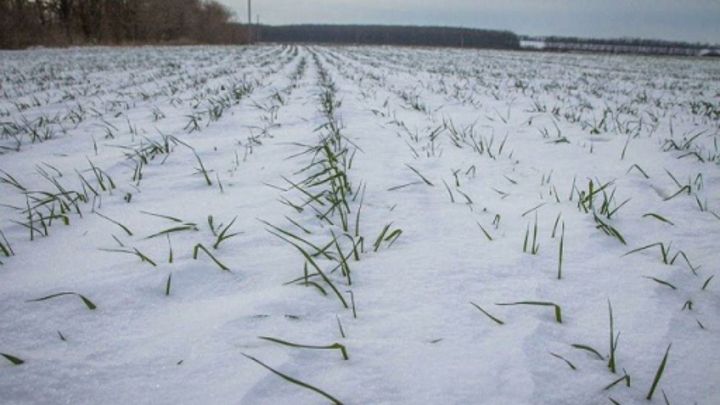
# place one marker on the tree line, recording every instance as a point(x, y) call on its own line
point(624, 45)
point(390, 35)
point(26, 23)
point(637, 42)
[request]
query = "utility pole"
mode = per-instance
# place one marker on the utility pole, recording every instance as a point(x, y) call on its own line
point(249, 27)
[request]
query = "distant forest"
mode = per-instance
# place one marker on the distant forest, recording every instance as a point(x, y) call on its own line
point(390, 35)
point(26, 23)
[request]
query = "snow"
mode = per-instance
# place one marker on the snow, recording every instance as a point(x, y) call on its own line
point(527, 127)
point(532, 44)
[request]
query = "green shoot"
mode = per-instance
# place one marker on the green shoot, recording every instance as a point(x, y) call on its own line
point(340, 327)
point(5, 247)
point(423, 178)
point(560, 253)
point(134, 252)
point(572, 366)
point(123, 227)
point(12, 359)
point(223, 235)
point(487, 235)
point(707, 282)
point(334, 346)
point(658, 217)
point(589, 350)
point(613, 340)
point(89, 304)
point(496, 320)
point(665, 283)
point(295, 381)
point(664, 250)
point(168, 284)
point(659, 373)
point(558, 310)
point(199, 247)
point(625, 378)
point(182, 228)
point(387, 237)
point(162, 216)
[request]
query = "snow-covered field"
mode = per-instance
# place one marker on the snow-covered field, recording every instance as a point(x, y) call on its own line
point(440, 226)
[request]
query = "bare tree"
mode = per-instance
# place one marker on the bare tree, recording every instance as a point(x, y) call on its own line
point(62, 22)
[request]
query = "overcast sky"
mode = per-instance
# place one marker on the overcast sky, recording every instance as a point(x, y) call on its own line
point(688, 20)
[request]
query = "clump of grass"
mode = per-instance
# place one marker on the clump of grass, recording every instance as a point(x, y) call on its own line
point(334, 346)
point(295, 381)
point(319, 271)
point(284, 235)
point(558, 310)
point(89, 304)
point(609, 229)
point(193, 123)
point(665, 254)
point(104, 180)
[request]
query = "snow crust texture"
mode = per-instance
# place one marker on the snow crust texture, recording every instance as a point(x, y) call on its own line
point(365, 225)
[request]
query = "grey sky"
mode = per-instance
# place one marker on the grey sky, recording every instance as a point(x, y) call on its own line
point(688, 20)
